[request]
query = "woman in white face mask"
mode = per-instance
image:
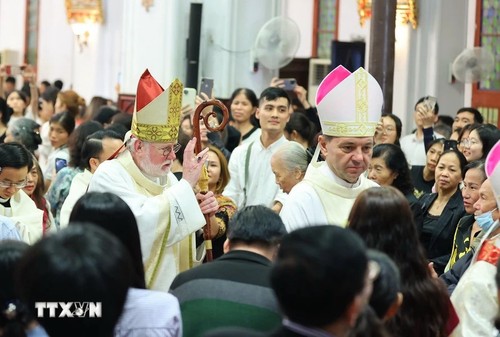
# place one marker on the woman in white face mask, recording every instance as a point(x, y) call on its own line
point(486, 211)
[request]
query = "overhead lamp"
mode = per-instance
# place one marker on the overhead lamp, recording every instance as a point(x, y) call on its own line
point(83, 15)
point(406, 11)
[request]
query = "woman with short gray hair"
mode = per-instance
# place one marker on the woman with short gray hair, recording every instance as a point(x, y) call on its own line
point(25, 131)
point(289, 164)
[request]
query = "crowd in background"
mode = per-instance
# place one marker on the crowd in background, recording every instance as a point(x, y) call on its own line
point(416, 233)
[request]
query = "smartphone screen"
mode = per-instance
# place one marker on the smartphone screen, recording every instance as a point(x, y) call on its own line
point(290, 84)
point(13, 70)
point(60, 164)
point(207, 85)
point(188, 97)
point(430, 102)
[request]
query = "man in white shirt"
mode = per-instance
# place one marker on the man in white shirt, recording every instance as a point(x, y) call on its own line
point(413, 144)
point(349, 107)
point(252, 179)
point(168, 212)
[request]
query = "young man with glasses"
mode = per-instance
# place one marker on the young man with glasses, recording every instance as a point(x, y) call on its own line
point(15, 163)
point(168, 212)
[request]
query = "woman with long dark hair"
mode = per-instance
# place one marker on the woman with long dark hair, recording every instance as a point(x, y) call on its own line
point(243, 105)
point(112, 214)
point(35, 189)
point(389, 167)
point(383, 219)
point(388, 130)
point(59, 189)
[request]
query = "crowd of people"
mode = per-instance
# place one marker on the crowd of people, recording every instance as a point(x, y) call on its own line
point(325, 220)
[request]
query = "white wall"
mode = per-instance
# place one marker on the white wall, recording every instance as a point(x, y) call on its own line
point(132, 39)
point(155, 40)
point(55, 44)
point(471, 26)
point(433, 46)
point(302, 12)
point(12, 23)
point(228, 34)
point(348, 25)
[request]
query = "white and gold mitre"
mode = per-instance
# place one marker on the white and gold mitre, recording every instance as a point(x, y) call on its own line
point(157, 113)
point(349, 104)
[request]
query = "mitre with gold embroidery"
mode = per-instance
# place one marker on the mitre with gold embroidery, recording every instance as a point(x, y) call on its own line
point(157, 113)
point(349, 104)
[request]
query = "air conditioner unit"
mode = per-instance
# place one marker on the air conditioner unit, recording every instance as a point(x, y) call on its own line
point(9, 57)
point(318, 69)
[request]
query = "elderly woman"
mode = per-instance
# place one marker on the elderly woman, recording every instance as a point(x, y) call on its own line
point(389, 167)
point(289, 165)
point(443, 210)
point(466, 235)
point(25, 131)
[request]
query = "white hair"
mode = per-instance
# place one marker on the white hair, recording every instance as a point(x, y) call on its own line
point(293, 155)
point(129, 144)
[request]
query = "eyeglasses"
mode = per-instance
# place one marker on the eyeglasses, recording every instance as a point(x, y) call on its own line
point(8, 184)
point(467, 143)
point(388, 129)
point(167, 149)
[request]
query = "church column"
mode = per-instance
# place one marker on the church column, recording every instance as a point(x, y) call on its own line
point(382, 40)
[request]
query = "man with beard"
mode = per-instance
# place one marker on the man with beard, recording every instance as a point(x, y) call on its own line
point(168, 212)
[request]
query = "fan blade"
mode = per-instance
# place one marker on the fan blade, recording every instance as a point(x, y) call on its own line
point(473, 65)
point(277, 42)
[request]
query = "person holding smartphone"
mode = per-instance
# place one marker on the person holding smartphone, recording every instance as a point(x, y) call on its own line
point(413, 145)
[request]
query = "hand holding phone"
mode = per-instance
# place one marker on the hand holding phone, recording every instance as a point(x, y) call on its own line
point(289, 84)
point(207, 86)
point(430, 103)
point(11, 70)
point(60, 164)
point(188, 97)
point(425, 111)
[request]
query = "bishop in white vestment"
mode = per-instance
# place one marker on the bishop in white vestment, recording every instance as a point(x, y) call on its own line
point(167, 211)
point(349, 107)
